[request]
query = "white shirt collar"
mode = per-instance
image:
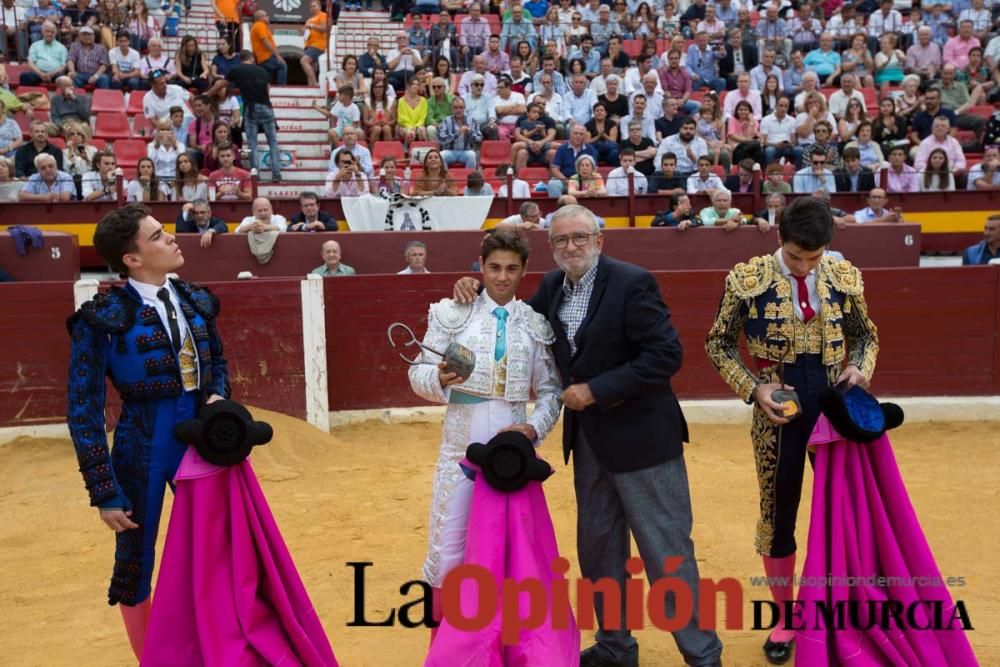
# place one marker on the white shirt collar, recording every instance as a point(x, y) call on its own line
point(785, 271)
point(147, 291)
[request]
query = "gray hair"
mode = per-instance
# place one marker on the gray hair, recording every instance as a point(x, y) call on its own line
point(200, 202)
point(572, 211)
point(411, 245)
point(42, 158)
point(776, 195)
point(528, 207)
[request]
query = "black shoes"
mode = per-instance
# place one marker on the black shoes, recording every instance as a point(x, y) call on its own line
point(778, 653)
point(596, 656)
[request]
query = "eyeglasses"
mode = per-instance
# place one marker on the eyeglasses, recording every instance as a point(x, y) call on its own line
point(819, 162)
point(562, 242)
point(477, 85)
point(437, 87)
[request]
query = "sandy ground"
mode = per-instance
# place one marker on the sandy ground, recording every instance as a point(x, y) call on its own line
point(361, 494)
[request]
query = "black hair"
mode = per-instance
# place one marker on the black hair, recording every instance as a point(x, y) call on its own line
point(115, 235)
point(506, 239)
point(675, 200)
point(806, 222)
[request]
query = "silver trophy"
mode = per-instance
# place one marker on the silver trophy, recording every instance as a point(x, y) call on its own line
point(457, 358)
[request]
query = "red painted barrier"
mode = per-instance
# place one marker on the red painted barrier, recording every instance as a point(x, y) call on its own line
point(938, 327)
point(58, 259)
point(658, 249)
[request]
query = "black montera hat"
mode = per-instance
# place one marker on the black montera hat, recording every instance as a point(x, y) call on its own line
point(857, 415)
point(508, 461)
point(224, 432)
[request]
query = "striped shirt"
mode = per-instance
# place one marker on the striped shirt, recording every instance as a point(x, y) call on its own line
point(573, 309)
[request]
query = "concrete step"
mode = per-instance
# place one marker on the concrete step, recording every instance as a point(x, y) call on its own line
point(295, 91)
point(287, 190)
point(296, 102)
point(300, 112)
point(307, 150)
point(299, 125)
point(311, 163)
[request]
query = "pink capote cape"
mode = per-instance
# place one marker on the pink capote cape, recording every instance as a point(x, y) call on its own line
point(228, 592)
point(511, 535)
point(863, 525)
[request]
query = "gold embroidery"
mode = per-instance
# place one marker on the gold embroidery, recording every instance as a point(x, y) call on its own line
point(189, 364)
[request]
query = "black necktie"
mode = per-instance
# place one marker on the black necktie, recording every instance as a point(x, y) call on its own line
point(175, 333)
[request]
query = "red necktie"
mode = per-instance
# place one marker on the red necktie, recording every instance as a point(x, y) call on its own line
point(807, 309)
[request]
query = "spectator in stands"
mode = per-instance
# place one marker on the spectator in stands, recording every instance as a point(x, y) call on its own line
point(988, 249)
point(497, 61)
point(10, 133)
point(554, 106)
point(78, 154)
point(438, 105)
point(871, 153)
point(703, 64)
point(264, 219)
point(640, 114)
point(924, 57)
point(332, 266)
point(528, 216)
point(738, 57)
point(146, 186)
point(603, 135)
point(586, 180)
point(667, 181)
point(890, 62)
point(986, 175)
point(156, 61)
point(742, 133)
point(519, 188)
point(47, 183)
point(670, 122)
point(956, 50)
point(47, 57)
point(24, 158)
point(192, 66)
point(316, 37)
point(580, 100)
point(616, 103)
point(876, 210)
point(12, 22)
point(517, 28)
point(265, 50)
point(411, 114)
point(227, 21)
point(857, 60)
point(224, 61)
point(772, 214)
point(703, 180)
point(563, 163)
point(435, 179)
point(923, 120)
point(687, 146)
point(141, 28)
point(372, 59)
point(533, 136)
point(222, 135)
point(9, 188)
point(848, 91)
point(850, 120)
point(766, 68)
point(618, 179)
point(124, 64)
point(815, 116)
point(38, 14)
point(196, 218)
point(681, 214)
point(228, 181)
point(415, 254)
point(742, 180)
point(937, 175)
point(310, 218)
point(459, 137)
point(774, 33)
point(824, 61)
point(841, 218)
point(743, 93)
point(361, 154)
point(474, 32)
point(792, 80)
point(402, 62)
point(940, 23)
point(379, 114)
point(775, 180)
point(389, 183)
point(956, 97)
point(777, 135)
point(88, 61)
point(189, 184)
point(343, 114)
point(508, 107)
point(855, 176)
point(162, 96)
point(721, 213)
point(889, 128)
point(100, 184)
point(163, 150)
point(65, 104)
point(902, 177)
point(348, 180)
point(253, 82)
point(815, 176)
point(478, 71)
point(940, 137)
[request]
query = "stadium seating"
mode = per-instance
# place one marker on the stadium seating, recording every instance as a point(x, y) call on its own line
point(112, 126)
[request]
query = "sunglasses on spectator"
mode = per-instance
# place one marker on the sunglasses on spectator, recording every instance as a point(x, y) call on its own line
point(478, 84)
point(819, 161)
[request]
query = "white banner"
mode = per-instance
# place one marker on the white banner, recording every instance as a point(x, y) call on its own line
point(374, 214)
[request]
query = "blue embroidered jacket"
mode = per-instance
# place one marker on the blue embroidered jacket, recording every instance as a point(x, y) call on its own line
point(117, 336)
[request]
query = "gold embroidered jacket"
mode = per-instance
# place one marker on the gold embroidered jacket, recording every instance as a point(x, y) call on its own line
point(758, 301)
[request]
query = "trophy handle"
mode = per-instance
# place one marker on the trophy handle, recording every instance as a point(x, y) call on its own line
point(413, 341)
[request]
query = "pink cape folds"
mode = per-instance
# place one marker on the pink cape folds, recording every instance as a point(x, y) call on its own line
point(228, 592)
point(863, 526)
point(511, 536)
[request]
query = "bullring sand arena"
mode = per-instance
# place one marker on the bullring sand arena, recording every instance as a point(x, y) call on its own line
point(361, 493)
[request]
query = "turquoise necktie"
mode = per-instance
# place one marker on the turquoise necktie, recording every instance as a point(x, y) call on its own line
point(501, 348)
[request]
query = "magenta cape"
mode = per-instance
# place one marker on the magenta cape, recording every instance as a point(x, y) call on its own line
point(863, 525)
point(228, 592)
point(511, 535)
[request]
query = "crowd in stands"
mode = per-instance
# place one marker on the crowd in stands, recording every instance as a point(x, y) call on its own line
point(590, 99)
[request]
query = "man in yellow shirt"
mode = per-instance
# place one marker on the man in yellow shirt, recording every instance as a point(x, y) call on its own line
point(316, 33)
point(265, 50)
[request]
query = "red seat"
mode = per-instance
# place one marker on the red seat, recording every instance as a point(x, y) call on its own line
point(982, 110)
point(58, 142)
point(871, 98)
point(460, 175)
point(423, 144)
point(494, 152)
point(24, 90)
point(112, 126)
point(141, 127)
point(14, 73)
point(382, 148)
point(107, 100)
point(135, 102)
point(534, 174)
point(99, 144)
point(965, 136)
point(22, 121)
point(719, 171)
point(632, 47)
point(129, 151)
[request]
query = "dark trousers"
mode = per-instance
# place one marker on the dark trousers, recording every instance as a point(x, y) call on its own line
point(654, 506)
point(781, 454)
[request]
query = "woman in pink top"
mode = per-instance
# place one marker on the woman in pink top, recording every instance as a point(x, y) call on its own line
point(742, 133)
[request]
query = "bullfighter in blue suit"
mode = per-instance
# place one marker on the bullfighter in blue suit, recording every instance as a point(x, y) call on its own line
point(156, 340)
